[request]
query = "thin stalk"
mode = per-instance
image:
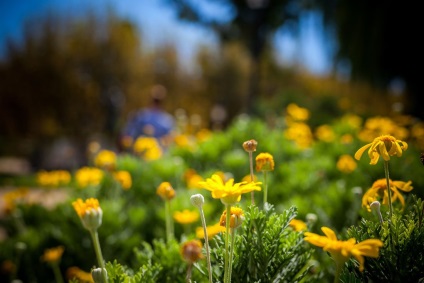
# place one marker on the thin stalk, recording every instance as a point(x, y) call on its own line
point(189, 271)
point(386, 172)
point(98, 251)
point(169, 233)
point(233, 236)
point(252, 194)
point(57, 273)
point(266, 187)
point(205, 231)
point(227, 236)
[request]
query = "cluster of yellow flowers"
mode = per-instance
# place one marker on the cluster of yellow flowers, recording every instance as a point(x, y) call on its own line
point(53, 178)
point(88, 176)
point(148, 148)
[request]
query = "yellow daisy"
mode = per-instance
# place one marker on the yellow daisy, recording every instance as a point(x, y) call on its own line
point(186, 216)
point(379, 191)
point(385, 146)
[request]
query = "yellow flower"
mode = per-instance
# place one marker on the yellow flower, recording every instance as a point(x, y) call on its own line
point(298, 225)
point(186, 216)
point(191, 251)
point(385, 146)
point(210, 230)
point(88, 176)
point(297, 113)
point(346, 164)
point(165, 191)
point(264, 162)
point(124, 178)
point(148, 148)
point(379, 191)
point(248, 177)
point(53, 178)
point(192, 179)
point(105, 159)
point(300, 133)
point(341, 251)
point(325, 133)
point(346, 139)
point(229, 193)
point(236, 218)
point(14, 197)
point(53, 255)
point(90, 213)
point(80, 275)
point(203, 135)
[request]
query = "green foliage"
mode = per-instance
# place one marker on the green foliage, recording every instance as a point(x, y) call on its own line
point(402, 257)
point(266, 249)
point(118, 273)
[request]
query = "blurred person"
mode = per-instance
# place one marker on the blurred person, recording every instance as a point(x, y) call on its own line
point(152, 121)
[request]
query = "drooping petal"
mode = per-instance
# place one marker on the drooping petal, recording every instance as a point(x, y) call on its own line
point(361, 151)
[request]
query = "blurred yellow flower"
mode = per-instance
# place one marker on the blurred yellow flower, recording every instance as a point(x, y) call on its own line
point(325, 133)
point(186, 216)
point(247, 178)
point(379, 192)
point(75, 273)
point(264, 162)
point(300, 133)
point(377, 126)
point(341, 251)
point(124, 178)
point(385, 146)
point(182, 140)
point(191, 251)
point(105, 159)
point(236, 218)
point(53, 255)
point(14, 197)
point(211, 230)
point(54, 178)
point(346, 139)
point(203, 135)
point(296, 113)
point(346, 163)
point(192, 179)
point(298, 225)
point(88, 176)
point(228, 192)
point(148, 148)
point(354, 121)
point(165, 191)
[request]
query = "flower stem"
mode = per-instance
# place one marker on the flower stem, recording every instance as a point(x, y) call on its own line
point(266, 188)
point(252, 194)
point(233, 236)
point(57, 274)
point(169, 233)
point(205, 231)
point(227, 235)
point(98, 251)
point(188, 275)
point(389, 193)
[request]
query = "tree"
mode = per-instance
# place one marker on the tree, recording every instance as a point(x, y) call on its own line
point(381, 42)
point(252, 22)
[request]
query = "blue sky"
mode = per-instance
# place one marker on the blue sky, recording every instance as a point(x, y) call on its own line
point(158, 24)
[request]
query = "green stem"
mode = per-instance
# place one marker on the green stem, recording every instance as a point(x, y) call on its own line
point(266, 188)
point(227, 235)
point(57, 273)
point(188, 275)
point(169, 233)
point(339, 268)
point(252, 194)
point(233, 236)
point(389, 193)
point(205, 231)
point(98, 251)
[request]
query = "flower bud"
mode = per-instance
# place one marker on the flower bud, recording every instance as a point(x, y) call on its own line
point(197, 200)
point(236, 218)
point(375, 207)
point(191, 251)
point(97, 274)
point(250, 145)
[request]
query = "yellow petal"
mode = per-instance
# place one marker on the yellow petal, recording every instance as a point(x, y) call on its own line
point(361, 151)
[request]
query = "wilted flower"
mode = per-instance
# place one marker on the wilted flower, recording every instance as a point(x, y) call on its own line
point(250, 145)
point(341, 251)
point(236, 218)
point(385, 146)
point(191, 251)
point(346, 164)
point(228, 192)
point(379, 191)
point(186, 216)
point(105, 159)
point(53, 255)
point(124, 178)
point(165, 191)
point(90, 213)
